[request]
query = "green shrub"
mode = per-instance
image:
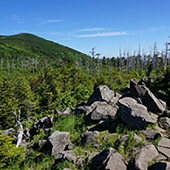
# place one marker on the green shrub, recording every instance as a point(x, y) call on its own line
point(10, 155)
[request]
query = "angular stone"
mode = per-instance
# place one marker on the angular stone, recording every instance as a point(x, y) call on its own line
point(137, 138)
point(66, 155)
point(148, 99)
point(108, 159)
point(115, 162)
point(103, 93)
point(101, 111)
point(59, 141)
point(151, 134)
point(147, 154)
point(135, 114)
point(164, 147)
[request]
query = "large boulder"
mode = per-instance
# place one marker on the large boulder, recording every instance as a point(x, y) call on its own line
point(59, 141)
point(108, 159)
point(147, 154)
point(101, 111)
point(135, 114)
point(147, 97)
point(103, 93)
point(164, 147)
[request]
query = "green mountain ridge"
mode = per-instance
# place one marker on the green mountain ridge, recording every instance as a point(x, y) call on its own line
point(26, 44)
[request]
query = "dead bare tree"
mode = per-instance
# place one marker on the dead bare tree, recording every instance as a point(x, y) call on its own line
point(166, 58)
point(20, 130)
point(1, 63)
point(93, 52)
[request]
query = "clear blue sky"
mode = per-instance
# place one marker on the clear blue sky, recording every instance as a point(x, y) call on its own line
point(83, 24)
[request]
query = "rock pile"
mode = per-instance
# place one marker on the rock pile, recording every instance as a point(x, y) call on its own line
point(138, 109)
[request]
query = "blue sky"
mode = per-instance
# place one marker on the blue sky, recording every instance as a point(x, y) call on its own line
point(106, 25)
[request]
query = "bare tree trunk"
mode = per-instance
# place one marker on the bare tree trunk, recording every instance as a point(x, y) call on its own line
point(20, 130)
point(166, 57)
point(1, 63)
point(8, 67)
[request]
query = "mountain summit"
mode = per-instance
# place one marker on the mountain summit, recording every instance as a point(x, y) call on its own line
point(26, 44)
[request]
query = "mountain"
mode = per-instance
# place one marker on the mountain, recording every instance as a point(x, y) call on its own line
point(25, 44)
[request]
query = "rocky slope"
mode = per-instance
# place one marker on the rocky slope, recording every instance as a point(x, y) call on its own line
point(126, 131)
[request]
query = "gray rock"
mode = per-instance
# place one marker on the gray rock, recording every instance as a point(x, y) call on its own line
point(163, 103)
point(161, 157)
point(101, 111)
point(115, 162)
point(136, 90)
point(164, 122)
point(164, 147)
point(135, 114)
point(66, 155)
point(89, 137)
point(103, 93)
point(59, 141)
point(147, 154)
point(100, 160)
point(151, 134)
point(108, 159)
point(148, 99)
point(137, 138)
point(89, 155)
point(152, 103)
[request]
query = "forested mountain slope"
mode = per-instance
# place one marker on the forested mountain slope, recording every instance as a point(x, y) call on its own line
point(50, 91)
point(29, 44)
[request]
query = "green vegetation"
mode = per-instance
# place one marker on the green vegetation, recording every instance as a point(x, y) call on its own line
point(9, 154)
point(40, 77)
